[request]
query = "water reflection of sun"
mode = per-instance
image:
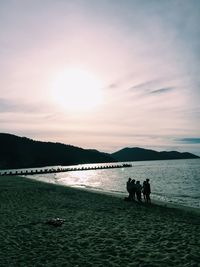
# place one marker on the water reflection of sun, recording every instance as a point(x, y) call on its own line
point(85, 179)
point(77, 90)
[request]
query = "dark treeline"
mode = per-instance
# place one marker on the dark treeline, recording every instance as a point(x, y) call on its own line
point(21, 152)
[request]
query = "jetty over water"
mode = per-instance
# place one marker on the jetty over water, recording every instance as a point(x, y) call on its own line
point(60, 169)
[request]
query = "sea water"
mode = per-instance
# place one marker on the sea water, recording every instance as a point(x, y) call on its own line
point(175, 181)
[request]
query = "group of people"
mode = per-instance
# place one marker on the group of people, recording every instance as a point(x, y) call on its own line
point(135, 190)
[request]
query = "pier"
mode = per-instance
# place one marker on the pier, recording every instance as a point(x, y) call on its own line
point(60, 169)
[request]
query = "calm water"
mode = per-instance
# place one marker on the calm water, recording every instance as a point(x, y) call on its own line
point(176, 181)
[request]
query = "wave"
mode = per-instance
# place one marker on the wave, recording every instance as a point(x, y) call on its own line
point(171, 195)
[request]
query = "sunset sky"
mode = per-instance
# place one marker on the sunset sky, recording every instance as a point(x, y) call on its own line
point(102, 74)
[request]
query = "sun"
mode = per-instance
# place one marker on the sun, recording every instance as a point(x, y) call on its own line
point(77, 90)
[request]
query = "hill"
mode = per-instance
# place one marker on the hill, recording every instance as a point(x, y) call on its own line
point(21, 152)
point(136, 154)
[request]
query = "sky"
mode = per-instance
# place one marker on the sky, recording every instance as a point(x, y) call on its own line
point(102, 74)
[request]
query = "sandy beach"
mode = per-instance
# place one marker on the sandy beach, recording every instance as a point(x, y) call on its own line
point(98, 230)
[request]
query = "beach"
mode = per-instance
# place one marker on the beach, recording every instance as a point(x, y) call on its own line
point(97, 230)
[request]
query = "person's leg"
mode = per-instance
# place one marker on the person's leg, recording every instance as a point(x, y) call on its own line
point(133, 195)
point(140, 196)
point(144, 196)
point(128, 194)
point(148, 198)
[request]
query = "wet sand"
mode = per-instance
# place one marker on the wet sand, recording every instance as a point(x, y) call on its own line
point(99, 230)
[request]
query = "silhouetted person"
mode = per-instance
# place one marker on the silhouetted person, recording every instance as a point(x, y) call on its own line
point(138, 191)
point(148, 191)
point(144, 191)
point(133, 189)
point(128, 188)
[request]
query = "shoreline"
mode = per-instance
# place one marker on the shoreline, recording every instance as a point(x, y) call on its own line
point(98, 229)
point(153, 201)
point(122, 195)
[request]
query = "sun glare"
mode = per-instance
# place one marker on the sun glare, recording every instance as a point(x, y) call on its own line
point(77, 90)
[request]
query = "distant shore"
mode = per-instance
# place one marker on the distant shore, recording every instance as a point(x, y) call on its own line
point(98, 230)
point(32, 154)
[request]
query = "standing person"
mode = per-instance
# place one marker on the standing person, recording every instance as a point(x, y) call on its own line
point(144, 191)
point(128, 188)
point(148, 191)
point(138, 191)
point(133, 189)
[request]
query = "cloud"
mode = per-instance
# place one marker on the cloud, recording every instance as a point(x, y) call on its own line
point(19, 106)
point(161, 90)
point(121, 81)
point(190, 140)
point(144, 86)
point(7, 105)
point(148, 87)
point(112, 85)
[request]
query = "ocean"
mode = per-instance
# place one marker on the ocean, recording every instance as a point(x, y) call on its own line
point(174, 181)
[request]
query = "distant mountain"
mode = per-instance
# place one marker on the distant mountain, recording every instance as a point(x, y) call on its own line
point(21, 152)
point(136, 154)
